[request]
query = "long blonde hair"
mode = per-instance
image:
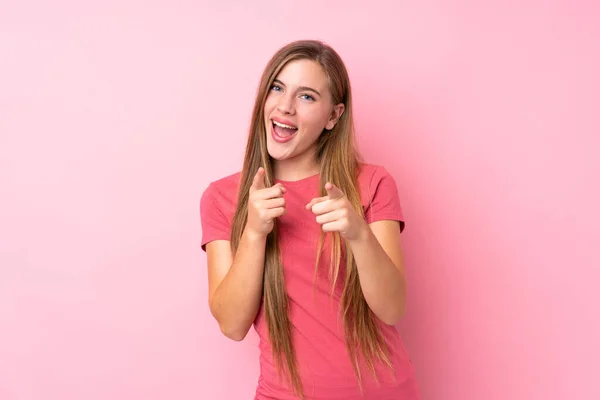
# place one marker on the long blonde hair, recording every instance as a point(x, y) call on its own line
point(339, 163)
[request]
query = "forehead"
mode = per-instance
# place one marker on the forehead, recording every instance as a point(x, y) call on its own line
point(304, 73)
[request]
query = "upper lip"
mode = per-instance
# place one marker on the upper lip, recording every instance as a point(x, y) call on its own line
point(284, 121)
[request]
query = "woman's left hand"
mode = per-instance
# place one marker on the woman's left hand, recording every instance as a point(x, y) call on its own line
point(335, 213)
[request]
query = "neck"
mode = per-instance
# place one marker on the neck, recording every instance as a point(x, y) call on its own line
point(296, 168)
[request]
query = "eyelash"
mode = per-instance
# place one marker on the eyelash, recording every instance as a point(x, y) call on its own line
point(308, 97)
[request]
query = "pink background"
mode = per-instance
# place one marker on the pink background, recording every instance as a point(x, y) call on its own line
point(115, 115)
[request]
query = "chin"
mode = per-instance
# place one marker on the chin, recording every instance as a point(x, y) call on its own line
point(277, 155)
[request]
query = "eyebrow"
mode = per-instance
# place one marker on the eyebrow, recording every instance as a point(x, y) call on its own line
point(301, 88)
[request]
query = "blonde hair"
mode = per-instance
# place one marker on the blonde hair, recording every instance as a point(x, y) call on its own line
point(339, 163)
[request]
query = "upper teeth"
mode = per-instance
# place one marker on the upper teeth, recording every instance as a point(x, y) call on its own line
point(284, 125)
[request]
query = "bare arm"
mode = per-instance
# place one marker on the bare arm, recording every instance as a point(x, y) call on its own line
point(376, 249)
point(235, 281)
point(380, 266)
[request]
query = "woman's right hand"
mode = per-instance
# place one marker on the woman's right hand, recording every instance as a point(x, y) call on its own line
point(264, 205)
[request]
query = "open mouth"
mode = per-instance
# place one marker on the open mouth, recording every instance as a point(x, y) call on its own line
point(283, 132)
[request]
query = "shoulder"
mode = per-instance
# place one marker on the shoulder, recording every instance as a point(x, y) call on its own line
point(371, 175)
point(379, 194)
point(222, 194)
point(224, 187)
point(370, 170)
point(217, 208)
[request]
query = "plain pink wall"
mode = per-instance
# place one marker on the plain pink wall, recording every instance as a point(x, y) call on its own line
point(114, 117)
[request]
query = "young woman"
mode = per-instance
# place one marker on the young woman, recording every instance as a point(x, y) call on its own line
point(304, 242)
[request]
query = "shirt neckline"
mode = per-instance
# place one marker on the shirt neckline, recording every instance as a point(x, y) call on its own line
point(299, 181)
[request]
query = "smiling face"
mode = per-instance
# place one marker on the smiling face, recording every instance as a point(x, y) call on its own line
point(297, 109)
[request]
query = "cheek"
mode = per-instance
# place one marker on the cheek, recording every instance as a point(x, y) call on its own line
point(269, 105)
point(315, 122)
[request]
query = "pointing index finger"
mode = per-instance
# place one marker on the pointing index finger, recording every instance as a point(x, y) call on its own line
point(333, 191)
point(258, 182)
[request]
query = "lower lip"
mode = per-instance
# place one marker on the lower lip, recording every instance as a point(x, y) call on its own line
point(281, 139)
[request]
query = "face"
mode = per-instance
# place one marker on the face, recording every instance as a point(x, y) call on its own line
point(297, 110)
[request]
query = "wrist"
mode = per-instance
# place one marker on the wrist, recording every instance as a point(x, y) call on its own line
point(362, 235)
point(254, 236)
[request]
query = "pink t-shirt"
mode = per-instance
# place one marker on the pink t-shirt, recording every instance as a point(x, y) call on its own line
point(317, 331)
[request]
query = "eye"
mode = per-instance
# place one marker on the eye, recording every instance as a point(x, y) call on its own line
point(307, 97)
point(276, 87)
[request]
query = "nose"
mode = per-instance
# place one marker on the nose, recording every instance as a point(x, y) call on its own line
point(286, 104)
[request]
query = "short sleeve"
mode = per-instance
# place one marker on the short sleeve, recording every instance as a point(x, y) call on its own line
point(384, 201)
point(215, 225)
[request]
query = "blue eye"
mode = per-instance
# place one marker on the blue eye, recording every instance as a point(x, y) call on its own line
point(308, 97)
point(276, 88)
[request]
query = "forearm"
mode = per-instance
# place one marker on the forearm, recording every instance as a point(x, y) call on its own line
point(383, 283)
point(236, 300)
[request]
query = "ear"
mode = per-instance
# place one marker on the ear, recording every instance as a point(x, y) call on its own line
point(335, 115)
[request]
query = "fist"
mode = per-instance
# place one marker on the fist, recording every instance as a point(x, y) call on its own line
point(335, 214)
point(264, 205)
